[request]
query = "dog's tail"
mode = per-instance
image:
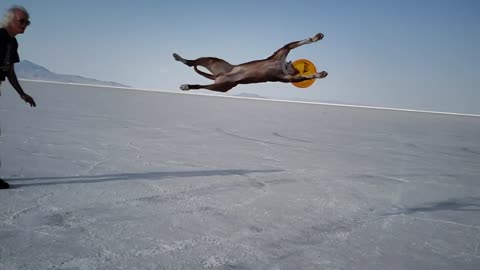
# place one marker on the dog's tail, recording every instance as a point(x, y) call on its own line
point(206, 75)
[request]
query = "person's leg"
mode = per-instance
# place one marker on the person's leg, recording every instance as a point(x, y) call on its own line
point(3, 184)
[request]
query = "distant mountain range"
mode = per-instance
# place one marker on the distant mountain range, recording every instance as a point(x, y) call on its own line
point(31, 71)
point(249, 95)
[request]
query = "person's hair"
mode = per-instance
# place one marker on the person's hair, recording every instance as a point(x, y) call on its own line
point(10, 14)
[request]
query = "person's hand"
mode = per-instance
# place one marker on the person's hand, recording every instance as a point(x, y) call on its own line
point(29, 100)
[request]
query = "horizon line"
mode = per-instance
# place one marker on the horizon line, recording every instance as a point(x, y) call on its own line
point(254, 98)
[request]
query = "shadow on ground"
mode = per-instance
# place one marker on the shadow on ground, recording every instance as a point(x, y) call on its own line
point(87, 179)
point(468, 204)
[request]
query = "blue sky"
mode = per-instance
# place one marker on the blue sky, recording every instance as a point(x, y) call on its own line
point(404, 54)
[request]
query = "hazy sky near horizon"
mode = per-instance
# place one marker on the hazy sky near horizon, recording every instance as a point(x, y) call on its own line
point(408, 54)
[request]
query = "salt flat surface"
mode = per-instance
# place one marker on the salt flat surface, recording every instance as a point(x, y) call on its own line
point(120, 179)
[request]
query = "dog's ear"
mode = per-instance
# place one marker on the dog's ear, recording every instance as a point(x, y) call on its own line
point(291, 69)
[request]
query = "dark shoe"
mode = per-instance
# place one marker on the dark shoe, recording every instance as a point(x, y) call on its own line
point(3, 184)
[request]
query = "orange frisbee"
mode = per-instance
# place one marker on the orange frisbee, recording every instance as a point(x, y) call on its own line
point(304, 67)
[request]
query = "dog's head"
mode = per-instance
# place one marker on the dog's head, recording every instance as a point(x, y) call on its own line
point(289, 69)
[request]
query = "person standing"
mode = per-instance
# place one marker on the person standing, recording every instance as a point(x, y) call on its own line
point(15, 21)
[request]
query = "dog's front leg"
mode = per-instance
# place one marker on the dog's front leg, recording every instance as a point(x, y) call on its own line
point(283, 52)
point(301, 78)
point(297, 44)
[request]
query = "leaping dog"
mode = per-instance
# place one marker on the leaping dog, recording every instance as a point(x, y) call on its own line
point(273, 69)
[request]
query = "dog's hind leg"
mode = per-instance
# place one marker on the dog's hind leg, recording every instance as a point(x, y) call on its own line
point(218, 87)
point(215, 65)
point(180, 59)
point(283, 52)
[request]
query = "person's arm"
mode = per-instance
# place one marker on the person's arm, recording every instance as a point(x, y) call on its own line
point(12, 78)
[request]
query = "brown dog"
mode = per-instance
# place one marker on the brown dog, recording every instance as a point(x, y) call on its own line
point(273, 69)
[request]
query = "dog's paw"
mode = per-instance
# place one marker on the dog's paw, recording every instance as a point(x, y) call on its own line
point(321, 75)
point(318, 37)
point(178, 58)
point(184, 87)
